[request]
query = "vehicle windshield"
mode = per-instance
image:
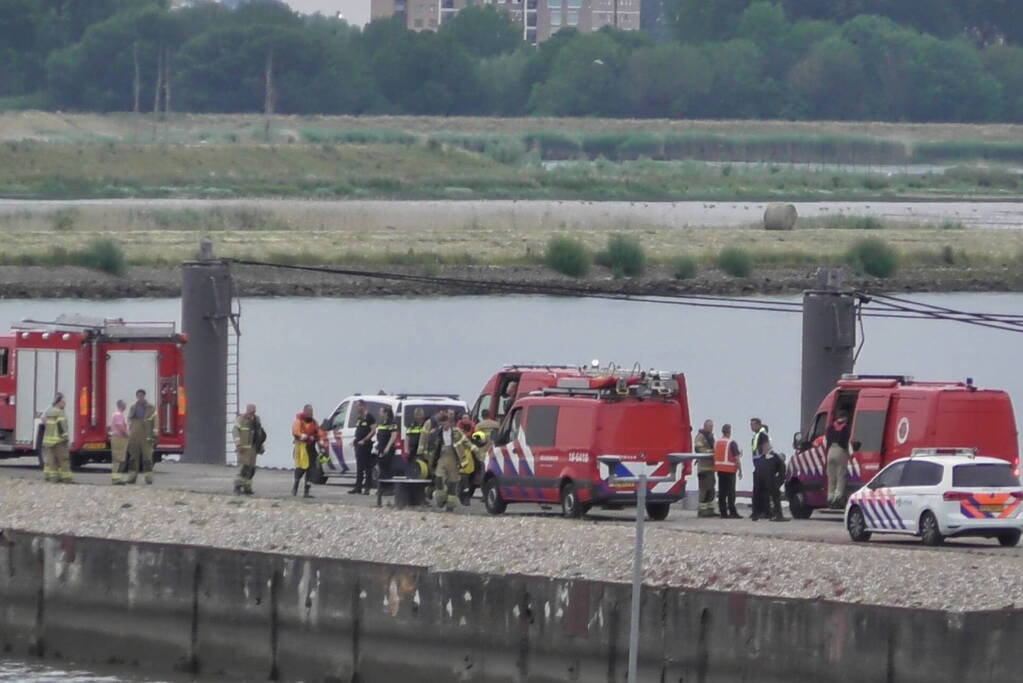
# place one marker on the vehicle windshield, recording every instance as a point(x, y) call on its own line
point(986, 475)
point(429, 410)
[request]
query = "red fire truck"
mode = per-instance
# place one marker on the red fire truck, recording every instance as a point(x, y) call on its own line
point(93, 362)
point(891, 415)
point(550, 445)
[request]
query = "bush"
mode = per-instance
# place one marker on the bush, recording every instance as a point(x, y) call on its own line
point(624, 256)
point(684, 267)
point(873, 256)
point(735, 261)
point(103, 254)
point(568, 256)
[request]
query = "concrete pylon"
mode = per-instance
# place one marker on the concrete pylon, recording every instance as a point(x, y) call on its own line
point(206, 293)
point(829, 339)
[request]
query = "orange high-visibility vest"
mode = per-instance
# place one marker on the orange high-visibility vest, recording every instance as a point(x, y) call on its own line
point(723, 460)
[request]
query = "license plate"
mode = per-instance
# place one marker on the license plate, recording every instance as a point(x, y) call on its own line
point(991, 508)
point(95, 446)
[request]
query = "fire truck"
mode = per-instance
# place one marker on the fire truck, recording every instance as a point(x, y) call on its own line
point(575, 433)
point(93, 362)
point(891, 415)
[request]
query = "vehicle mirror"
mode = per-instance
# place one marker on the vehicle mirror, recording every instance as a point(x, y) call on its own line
point(857, 445)
point(797, 441)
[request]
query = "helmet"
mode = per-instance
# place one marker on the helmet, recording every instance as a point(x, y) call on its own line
point(479, 437)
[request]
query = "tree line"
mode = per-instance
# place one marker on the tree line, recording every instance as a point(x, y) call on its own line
point(897, 60)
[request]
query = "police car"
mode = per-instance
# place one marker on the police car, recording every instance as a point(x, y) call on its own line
point(938, 493)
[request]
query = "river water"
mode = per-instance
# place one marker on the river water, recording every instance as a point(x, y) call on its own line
point(738, 363)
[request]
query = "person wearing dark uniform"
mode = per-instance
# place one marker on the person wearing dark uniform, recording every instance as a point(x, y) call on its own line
point(365, 428)
point(776, 477)
point(413, 434)
point(762, 471)
point(387, 435)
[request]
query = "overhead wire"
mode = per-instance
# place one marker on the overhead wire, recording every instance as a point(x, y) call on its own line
point(880, 305)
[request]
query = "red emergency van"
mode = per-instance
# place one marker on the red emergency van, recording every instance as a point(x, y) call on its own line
point(549, 447)
point(891, 415)
point(511, 381)
point(93, 362)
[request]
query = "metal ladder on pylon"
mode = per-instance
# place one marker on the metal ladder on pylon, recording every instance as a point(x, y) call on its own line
point(233, 393)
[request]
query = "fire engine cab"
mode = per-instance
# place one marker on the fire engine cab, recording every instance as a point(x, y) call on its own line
point(892, 415)
point(93, 362)
point(549, 447)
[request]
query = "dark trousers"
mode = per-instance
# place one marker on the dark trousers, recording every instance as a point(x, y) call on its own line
point(726, 493)
point(763, 478)
point(363, 467)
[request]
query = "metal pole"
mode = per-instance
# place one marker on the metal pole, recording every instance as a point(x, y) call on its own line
point(829, 340)
point(637, 577)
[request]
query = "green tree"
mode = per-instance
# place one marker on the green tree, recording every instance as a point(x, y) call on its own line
point(483, 31)
point(949, 83)
point(504, 90)
point(700, 21)
point(1005, 63)
point(586, 79)
point(830, 81)
point(740, 88)
point(667, 80)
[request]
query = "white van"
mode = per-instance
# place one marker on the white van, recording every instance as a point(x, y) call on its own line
point(340, 426)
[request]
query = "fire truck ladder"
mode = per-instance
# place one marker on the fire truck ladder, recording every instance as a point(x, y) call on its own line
point(233, 393)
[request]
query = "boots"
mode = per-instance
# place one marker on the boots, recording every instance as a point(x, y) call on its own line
point(294, 488)
point(452, 497)
point(307, 494)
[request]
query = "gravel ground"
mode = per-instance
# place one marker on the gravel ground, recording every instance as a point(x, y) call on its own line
point(564, 548)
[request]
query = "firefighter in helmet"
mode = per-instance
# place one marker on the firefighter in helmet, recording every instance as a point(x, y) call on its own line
point(487, 424)
point(142, 429)
point(56, 459)
point(470, 465)
point(249, 437)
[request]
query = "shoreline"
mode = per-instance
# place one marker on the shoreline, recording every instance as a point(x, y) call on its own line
point(40, 282)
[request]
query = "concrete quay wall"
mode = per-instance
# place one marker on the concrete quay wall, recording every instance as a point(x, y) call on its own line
point(214, 614)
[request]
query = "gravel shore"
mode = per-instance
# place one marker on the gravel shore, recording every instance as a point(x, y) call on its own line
point(520, 545)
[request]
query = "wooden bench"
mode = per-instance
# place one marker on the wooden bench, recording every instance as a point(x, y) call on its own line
point(407, 491)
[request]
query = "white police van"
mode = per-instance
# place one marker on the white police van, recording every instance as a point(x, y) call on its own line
point(938, 493)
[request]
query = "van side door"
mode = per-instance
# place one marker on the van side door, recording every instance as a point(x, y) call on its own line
point(502, 460)
point(539, 456)
point(866, 444)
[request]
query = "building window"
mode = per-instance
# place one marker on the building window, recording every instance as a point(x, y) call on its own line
point(575, 4)
point(573, 16)
point(417, 23)
point(556, 19)
point(554, 4)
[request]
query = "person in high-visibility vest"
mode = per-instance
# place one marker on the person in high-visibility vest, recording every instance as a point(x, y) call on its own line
point(728, 466)
point(760, 446)
point(704, 444)
point(142, 431)
point(56, 458)
point(305, 433)
point(448, 458)
point(119, 444)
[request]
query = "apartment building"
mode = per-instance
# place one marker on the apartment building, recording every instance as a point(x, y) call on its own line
point(540, 19)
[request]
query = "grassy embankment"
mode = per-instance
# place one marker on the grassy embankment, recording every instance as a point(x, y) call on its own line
point(54, 156)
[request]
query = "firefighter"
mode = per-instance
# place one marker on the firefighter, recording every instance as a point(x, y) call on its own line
point(837, 445)
point(387, 436)
point(56, 459)
point(306, 434)
point(417, 468)
point(728, 466)
point(142, 428)
point(469, 465)
point(249, 437)
point(466, 424)
point(759, 447)
point(118, 443)
point(448, 444)
point(704, 443)
point(776, 477)
point(488, 424)
point(365, 428)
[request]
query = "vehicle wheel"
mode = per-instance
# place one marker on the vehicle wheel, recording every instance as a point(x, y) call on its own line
point(1009, 538)
point(856, 526)
point(797, 502)
point(658, 511)
point(492, 499)
point(929, 531)
point(570, 506)
point(78, 462)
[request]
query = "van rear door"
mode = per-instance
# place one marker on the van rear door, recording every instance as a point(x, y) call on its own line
point(868, 431)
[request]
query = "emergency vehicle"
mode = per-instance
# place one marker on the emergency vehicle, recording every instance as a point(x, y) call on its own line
point(549, 447)
point(340, 426)
point(93, 362)
point(891, 415)
point(500, 391)
point(937, 493)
